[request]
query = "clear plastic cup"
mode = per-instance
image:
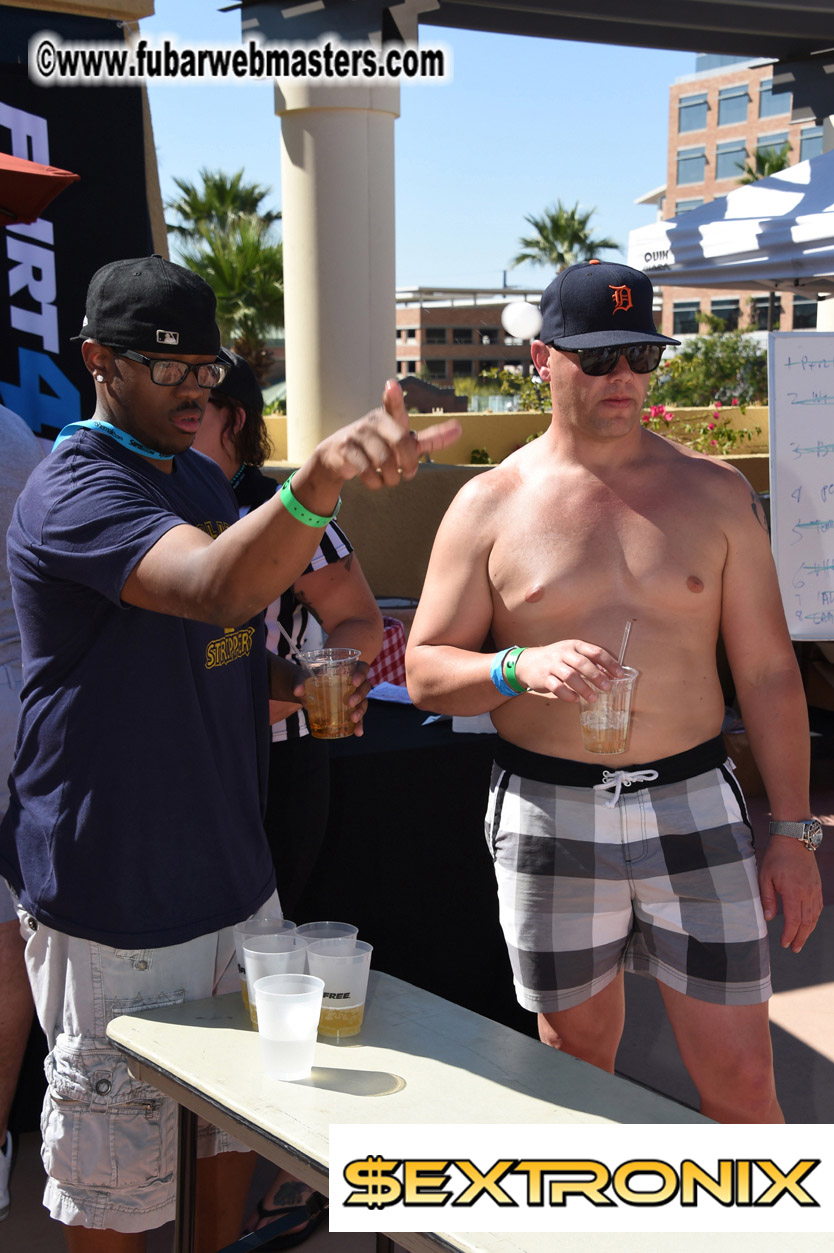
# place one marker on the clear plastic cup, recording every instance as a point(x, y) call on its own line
point(282, 954)
point(605, 721)
point(339, 936)
point(328, 683)
point(256, 926)
point(288, 1008)
point(345, 976)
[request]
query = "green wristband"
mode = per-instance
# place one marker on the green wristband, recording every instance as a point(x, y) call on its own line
point(510, 663)
point(298, 511)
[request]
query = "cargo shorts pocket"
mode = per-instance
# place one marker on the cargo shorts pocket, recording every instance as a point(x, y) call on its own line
point(102, 1128)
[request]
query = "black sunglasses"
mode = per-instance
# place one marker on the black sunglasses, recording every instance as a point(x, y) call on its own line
point(171, 373)
point(642, 358)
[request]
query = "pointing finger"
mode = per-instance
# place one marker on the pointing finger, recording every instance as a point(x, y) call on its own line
point(440, 436)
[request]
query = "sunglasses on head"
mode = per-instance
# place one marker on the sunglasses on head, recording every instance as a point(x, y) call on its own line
point(642, 358)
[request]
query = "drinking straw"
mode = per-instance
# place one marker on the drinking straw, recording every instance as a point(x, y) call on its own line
point(292, 646)
point(626, 634)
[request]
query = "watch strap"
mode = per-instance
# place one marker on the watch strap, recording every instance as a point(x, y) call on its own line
point(796, 829)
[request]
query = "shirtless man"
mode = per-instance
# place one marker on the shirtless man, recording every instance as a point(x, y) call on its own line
point(597, 522)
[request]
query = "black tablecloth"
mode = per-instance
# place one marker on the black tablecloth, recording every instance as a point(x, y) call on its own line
point(406, 860)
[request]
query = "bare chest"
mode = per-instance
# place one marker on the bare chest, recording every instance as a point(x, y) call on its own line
point(585, 550)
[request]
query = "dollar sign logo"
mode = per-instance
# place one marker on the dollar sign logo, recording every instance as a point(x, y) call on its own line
point(375, 1181)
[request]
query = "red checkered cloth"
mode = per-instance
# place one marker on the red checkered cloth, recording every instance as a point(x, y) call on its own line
point(389, 666)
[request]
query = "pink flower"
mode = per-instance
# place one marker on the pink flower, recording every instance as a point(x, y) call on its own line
point(734, 400)
point(718, 404)
point(714, 442)
point(669, 416)
point(646, 420)
point(711, 427)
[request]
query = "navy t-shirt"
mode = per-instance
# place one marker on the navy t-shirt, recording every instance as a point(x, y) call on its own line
point(136, 811)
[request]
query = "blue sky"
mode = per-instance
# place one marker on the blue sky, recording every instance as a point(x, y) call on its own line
point(523, 123)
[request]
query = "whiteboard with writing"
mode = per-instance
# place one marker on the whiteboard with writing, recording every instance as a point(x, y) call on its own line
point(801, 404)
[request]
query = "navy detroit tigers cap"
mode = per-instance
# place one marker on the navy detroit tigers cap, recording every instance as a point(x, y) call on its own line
point(597, 304)
point(150, 304)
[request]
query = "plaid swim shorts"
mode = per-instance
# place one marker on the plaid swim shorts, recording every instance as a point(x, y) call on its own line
point(649, 868)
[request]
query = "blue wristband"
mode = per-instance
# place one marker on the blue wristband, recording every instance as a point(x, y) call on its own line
point(496, 673)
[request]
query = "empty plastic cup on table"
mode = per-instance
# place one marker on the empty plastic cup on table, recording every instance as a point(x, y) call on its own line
point(288, 1008)
point(605, 721)
point(328, 684)
point(282, 954)
point(345, 976)
point(339, 936)
point(256, 926)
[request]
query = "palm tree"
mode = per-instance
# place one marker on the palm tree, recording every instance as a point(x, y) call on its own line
point(767, 161)
point(221, 198)
point(244, 266)
point(562, 237)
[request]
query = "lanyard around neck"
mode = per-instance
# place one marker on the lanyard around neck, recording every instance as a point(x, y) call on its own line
point(121, 437)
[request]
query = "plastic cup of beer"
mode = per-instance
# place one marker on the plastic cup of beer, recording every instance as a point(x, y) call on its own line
point(281, 954)
point(339, 937)
point(328, 684)
point(345, 976)
point(288, 1007)
point(252, 927)
point(605, 721)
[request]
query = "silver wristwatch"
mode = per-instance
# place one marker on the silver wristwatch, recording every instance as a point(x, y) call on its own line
point(809, 831)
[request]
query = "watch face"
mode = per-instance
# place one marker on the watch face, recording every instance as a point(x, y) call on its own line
point(813, 834)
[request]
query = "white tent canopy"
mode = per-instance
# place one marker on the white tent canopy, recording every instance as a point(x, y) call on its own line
point(777, 233)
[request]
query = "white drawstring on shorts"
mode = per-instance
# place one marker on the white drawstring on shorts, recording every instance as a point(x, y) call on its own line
point(618, 779)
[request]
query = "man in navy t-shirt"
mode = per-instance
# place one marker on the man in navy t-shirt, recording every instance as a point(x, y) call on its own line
point(134, 837)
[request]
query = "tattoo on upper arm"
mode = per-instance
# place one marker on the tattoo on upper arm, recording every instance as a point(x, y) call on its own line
point(758, 510)
point(304, 600)
point(349, 561)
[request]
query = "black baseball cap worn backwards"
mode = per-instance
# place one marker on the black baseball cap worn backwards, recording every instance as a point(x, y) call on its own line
point(597, 304)
point(151, 305)
point(240, 383)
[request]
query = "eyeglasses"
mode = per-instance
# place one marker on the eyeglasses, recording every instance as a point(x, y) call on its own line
point(171, 373)
point(642, 358)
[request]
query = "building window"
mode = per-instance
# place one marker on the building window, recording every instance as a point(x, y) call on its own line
point(408, 332)
point(489, 335)
point(462, 335)
point(692, 163)
point(462, 369)
point(684, 206)
point(728, 311)
point(436, 369)
point(434, 335)
point(771, 103)
point(772, 144)
point(685, 317)
point(732, 105)
point(810, 142)
point(761, 305)
point(804, 313)
point(692, 113)
point(730, 158)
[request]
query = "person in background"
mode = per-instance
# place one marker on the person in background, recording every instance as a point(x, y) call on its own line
point(332, 597)
point(331, 600)
point(20, 452)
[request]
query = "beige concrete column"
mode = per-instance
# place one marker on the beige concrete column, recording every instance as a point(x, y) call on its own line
point(337, 199)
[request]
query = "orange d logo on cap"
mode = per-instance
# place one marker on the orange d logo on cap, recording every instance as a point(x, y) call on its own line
point(621, 297)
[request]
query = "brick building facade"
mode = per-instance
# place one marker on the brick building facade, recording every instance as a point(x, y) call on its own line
point(718, 119)
point(456, 333)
